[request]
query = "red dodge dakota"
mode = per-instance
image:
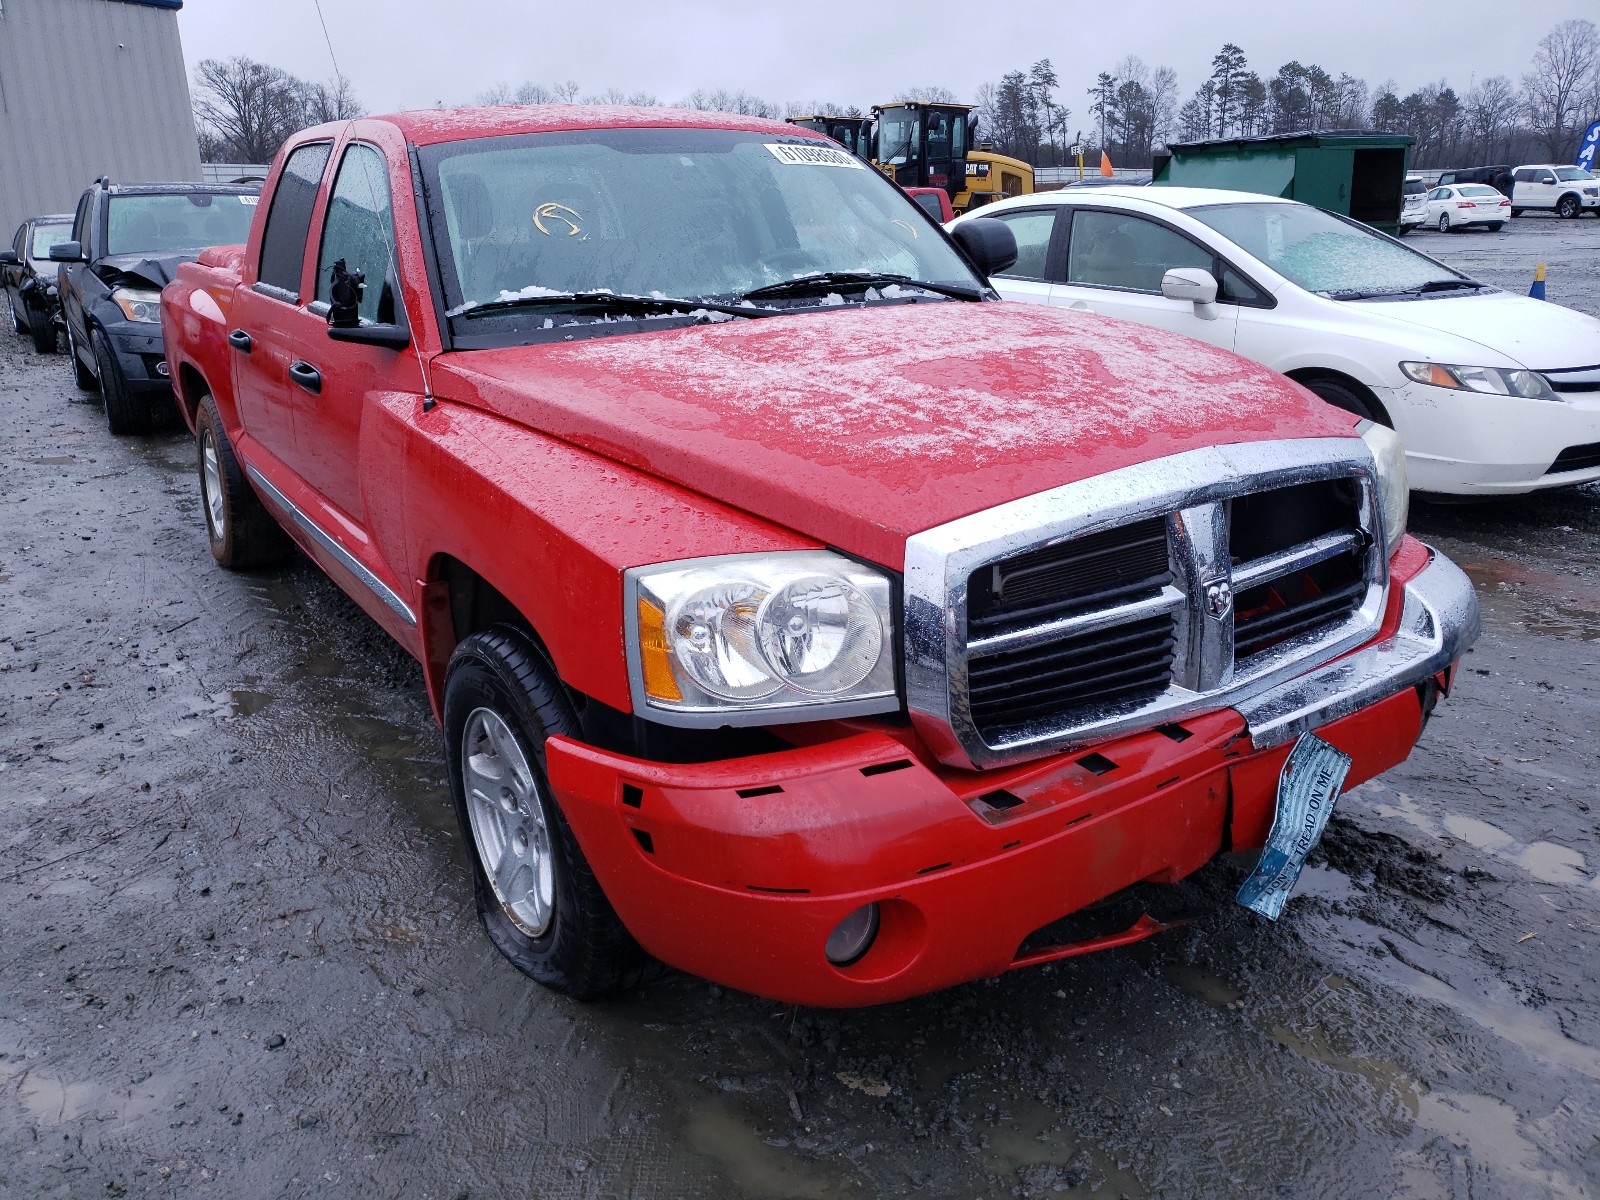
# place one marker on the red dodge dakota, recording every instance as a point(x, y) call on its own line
point(797, 613)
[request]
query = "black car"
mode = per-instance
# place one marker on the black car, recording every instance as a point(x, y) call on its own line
point(28, 279)
point(127, 242)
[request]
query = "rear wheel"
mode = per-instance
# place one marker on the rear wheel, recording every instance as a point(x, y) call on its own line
point(539, 899)
point(1496, 226)
point(241, 530)
point(1444, 222)
point(125, 412)
point(1568, 207)
point(1517, 212)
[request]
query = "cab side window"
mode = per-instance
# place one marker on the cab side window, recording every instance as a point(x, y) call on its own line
point(359, 229)
point(1123, 251)
point(1033, 230)
point(283, 244)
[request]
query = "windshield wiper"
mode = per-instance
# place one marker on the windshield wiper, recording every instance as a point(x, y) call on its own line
point(1447, 285)
point(615, 302)
point(824, 281)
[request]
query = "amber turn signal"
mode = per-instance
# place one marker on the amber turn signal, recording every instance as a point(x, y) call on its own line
point(655, 655)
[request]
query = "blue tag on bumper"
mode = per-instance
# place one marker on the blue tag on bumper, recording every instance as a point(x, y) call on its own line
point(1307, 790)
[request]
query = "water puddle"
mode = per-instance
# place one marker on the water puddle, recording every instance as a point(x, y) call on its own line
point(1203, 985)
point(756, 1166)
point(56, 460)
point(1542, 599)
point(1490, 1132)
point(1030, 1141)
point(1547, 862)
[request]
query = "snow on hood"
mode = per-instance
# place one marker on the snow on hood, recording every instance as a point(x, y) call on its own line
point(1532, 333)
point(860, 427)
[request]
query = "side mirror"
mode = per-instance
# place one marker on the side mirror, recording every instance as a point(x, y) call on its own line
point(1194, 285)
point(67, 252)
point(988, 242)
point(1547, 179)
point(344, 314)
point(8, 258)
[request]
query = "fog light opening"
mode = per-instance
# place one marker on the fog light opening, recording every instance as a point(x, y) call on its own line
point(163, 369)
point(853, 936)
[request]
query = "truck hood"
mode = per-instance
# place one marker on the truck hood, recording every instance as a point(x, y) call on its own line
point(861, 426)
point(136, 270)
point(1532, 333)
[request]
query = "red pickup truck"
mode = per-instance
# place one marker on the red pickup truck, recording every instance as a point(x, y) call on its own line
point(797, 613)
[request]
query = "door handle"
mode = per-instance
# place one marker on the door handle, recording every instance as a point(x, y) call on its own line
point(240, 341)
point(306, 376)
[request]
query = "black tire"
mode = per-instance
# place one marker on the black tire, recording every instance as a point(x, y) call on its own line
point(1517, 212)
point(1496, 226)
point(583, 950)
point(126, 414)
point(43, 330)
point(1569, 208)
point(1352, 400)
point(241, 531)
point(16, 317)
point(81, 375)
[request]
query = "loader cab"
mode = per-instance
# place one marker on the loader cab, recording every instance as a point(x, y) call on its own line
point(925, 145)
point(853, 133)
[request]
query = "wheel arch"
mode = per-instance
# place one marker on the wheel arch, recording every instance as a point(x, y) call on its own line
point(1306, 376)
point(191, 388)
point(459, 601)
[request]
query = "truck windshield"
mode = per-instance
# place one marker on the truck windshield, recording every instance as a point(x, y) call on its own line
point(158, 224)
point(668, 213)
point(1573, 174)
point(1324, 253)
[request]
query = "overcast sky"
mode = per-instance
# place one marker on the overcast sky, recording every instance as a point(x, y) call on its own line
point(415, 53)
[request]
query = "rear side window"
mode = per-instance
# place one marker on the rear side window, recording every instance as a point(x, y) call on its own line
point(1032, 231)
point(283, 245)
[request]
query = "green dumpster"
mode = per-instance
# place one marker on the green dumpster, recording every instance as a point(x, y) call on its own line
point(1359, 173)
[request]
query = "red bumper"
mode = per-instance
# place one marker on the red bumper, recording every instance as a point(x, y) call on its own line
point(737, 871)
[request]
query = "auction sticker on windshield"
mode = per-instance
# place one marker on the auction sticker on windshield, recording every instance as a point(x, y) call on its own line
point(813, 156)
point(1307, 789)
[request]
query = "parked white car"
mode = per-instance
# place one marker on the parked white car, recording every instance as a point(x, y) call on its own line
point(1414, 208)
point(1460, 206)
point(1569, 191)
point(1491, 393)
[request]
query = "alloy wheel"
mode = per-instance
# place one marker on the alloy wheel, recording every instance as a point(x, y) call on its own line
point(211, 486)
point(508, 821)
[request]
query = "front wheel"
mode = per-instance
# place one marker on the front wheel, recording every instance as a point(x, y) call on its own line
point(539, 899)
point(1568, 207)
point(43, 329)
point(1342, 395)
point(125, 412)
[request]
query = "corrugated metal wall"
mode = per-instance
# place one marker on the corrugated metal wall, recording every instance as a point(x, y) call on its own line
point(88, 88)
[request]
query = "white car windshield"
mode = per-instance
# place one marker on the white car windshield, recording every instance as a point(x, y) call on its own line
point(1327, 254)
point(670, 213)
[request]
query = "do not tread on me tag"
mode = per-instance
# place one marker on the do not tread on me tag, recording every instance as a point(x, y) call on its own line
point(1308, 787)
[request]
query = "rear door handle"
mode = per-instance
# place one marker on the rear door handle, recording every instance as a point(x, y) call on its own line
point(240, 341)
point(306, 376)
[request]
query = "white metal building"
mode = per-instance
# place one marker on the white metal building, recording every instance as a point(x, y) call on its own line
point(89, 88)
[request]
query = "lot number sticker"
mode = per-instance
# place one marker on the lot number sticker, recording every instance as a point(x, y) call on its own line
point(814, 156)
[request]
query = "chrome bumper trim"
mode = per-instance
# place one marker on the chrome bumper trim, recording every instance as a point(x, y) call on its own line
point(1438, 622)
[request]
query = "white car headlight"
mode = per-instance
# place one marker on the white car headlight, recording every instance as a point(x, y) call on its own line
point(1492, 381)
point(1394, 489)
point(144, 307)
point(752, 639)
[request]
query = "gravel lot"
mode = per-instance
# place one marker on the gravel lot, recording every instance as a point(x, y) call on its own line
point(238, 955)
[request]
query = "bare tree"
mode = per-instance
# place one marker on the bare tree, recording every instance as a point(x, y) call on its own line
point(741, 103)
point(247, 108)
point(928, 95)
point(331, 101)
point(1491, 112)
point(1563, 82)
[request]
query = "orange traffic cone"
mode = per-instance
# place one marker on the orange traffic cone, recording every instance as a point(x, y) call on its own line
point(1105, 165)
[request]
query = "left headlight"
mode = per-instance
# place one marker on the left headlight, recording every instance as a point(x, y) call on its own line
point(138, 306)
point(753, 639)
point(1492, 381)
point(1394, 488)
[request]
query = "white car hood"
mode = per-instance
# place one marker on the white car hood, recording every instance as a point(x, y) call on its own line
point(1535, 333)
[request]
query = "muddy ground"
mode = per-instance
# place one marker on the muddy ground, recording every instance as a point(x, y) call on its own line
point(238, 954)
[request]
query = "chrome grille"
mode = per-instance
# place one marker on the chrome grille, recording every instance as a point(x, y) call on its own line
point(1139, 596)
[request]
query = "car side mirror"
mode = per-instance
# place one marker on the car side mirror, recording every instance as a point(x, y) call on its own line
point(67, 252)
point(988, 242)
point(344, 313)
point(8, 258)
point(1547, 179)
point(1194, 285)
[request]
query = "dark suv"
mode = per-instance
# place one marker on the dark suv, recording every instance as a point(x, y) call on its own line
point(28, 278)
point(127, 242)
point(1497, 177)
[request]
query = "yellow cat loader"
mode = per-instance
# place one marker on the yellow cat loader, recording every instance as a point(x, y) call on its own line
point(930, 145)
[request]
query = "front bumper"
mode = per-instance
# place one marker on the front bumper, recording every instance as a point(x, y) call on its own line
point(1468, 443)
point(737, 871)
point(141, 354)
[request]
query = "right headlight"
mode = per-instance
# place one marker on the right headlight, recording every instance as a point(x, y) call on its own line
point(752, 639)
point(1491, 381)
point(1394, 489)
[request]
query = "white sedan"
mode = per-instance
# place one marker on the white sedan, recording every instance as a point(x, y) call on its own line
point(1491, 393)
point(1458, 207)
